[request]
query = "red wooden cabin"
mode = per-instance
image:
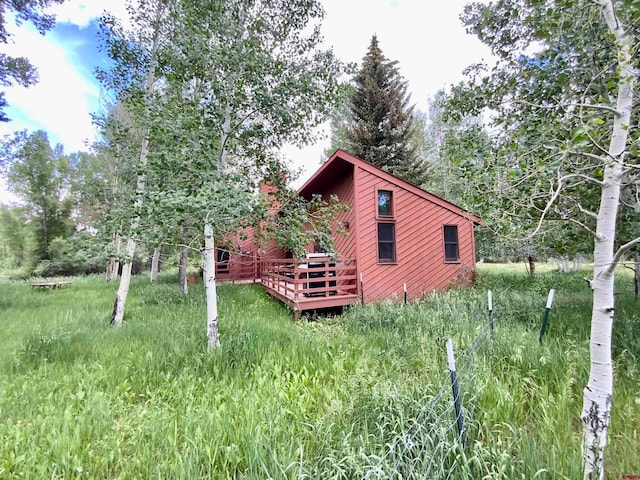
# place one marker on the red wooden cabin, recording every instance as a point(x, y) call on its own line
point(397, 234)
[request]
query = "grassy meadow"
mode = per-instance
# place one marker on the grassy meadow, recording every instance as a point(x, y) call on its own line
point(322, 399)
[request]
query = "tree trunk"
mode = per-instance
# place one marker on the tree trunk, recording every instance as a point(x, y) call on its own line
point(636, 273)
point(210, 287)
point(577, 263)
point(113, 265)
point(155, 263)
point(45, 232)
point(565, 264)
point(209, 252)
point(141, 182)
point(596, 411)
point(123, 289)
point(183, 264)
point(532, 266)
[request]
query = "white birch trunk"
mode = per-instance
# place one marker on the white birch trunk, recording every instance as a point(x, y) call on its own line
point(123, 289)
point(183, 264)
point(210, 287)
point(596, 411)
point(565, 264)
point(112, 269)
point(577, 263)
point(155, 264)
point(108, 274)
point(209, 247)
point(113, 265)
point(141, 182)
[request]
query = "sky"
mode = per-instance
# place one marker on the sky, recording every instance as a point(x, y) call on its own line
point(425, 37)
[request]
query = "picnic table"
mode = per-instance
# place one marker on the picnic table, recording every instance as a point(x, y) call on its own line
point(50, 284)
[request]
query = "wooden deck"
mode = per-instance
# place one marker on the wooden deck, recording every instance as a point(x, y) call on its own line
point(238, 268)
point(311, 284)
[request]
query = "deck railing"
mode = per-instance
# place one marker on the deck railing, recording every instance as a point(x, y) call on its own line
point(310, 278)
point(238, 266)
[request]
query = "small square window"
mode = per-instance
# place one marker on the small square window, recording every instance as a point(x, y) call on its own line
point(385, 203)
point(451, 253)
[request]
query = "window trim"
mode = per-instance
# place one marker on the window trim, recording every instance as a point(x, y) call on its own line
point(377, 210)
point(445, 243)
point(391, 261)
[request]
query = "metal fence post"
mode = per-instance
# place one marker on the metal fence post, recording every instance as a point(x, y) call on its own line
point(405, 293)
point(457, 402)
point(490, 303)
point(545, 321)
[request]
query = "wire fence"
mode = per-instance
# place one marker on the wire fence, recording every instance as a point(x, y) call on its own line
point(431, 446)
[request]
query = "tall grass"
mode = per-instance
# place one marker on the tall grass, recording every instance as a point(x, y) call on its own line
point(279, 399)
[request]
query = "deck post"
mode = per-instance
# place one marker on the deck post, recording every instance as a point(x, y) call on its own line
point(255, 267)
point(296, 278)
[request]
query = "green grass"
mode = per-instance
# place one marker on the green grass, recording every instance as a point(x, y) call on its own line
point(324, 399)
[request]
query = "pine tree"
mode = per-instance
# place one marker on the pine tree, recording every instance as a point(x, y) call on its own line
point(383, 121)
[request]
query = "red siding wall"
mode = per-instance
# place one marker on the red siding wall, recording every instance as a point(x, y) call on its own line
point(243, 256)
point(345, 245)
point(419, 243)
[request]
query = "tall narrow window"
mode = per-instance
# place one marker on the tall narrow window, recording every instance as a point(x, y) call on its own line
point(451, 253)
point(385, 203)
point(386, 242)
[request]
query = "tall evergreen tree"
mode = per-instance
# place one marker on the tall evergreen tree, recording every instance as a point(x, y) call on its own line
point(383, 120)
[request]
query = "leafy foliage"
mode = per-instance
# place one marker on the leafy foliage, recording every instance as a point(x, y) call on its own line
point(563, 94)
point(81, 253)
point(16, 238)
point(301, 223)
point(235, 80)
point(550, 94)
point(40, 175)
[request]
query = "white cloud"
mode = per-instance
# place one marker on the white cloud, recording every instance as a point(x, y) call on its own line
point(81, 12)
point(426, 38)
point(60, 102)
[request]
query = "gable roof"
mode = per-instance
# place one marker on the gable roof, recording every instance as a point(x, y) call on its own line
point(341, 160)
